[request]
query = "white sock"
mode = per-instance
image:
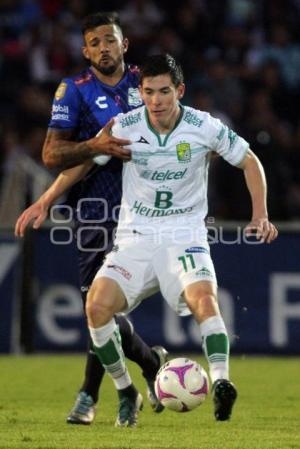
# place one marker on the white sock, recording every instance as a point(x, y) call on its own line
point(108, 347)
point(215, 344)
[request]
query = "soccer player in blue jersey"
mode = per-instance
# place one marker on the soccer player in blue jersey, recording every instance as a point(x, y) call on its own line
point(82, 105)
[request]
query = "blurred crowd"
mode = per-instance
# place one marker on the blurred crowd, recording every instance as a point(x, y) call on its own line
point(241, 60)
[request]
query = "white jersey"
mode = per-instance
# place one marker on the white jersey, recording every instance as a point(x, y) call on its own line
point(165, 183)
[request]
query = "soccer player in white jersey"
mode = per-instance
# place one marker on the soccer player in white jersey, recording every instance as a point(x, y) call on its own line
point(161, 237)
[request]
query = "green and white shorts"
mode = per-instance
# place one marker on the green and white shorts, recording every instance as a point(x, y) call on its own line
point(141, 268)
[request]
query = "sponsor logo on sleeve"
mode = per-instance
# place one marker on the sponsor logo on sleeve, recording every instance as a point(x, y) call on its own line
point(221, 133)
point(131, 119)
point(60, 112)
point(61, 91)
point(192, 119)
point(232, 136)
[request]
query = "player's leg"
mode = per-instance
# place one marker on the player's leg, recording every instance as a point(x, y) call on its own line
point(84, 409)
point(190, 285)
point(89, 258)
point(105, 298)
point(149, 359)
point(201, 297)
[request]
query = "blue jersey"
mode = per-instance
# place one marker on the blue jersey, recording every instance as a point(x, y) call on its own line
point(84, 104)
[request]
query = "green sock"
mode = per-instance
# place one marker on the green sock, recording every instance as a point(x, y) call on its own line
point(112, 357)
point(216, 347)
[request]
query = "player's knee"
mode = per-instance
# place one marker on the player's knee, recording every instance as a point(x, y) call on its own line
point(204, 306)
point(98, 310)
point(98, 314)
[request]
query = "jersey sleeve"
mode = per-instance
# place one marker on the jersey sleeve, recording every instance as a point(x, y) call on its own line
point(226, 142)
point(66, 106)
point(103, 159)
point(116, 129)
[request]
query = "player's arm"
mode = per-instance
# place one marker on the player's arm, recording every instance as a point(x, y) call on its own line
point(38, 211)
point(257, 186)
point(59, 151)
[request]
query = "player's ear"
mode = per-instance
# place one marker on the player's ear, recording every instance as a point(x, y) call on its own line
point(180, 91)
point(85, 52)
point(125, 44)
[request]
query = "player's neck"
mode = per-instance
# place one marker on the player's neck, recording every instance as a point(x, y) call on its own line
point(165, 126)
point(110, 80)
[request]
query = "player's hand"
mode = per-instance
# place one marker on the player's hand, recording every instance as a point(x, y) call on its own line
point(263, 229)
point(37, 211)
point(105, 143)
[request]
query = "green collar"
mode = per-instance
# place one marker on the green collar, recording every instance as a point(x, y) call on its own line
point(164, 142)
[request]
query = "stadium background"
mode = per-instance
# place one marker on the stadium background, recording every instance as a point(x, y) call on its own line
point(241, 60)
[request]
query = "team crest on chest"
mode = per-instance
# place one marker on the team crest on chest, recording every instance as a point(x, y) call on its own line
point(183, 152)
point(134, 98)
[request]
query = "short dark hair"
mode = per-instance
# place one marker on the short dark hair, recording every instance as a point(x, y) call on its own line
point(100, 18)
point(156, 65)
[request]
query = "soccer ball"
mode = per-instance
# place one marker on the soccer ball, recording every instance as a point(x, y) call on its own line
point(181, 384)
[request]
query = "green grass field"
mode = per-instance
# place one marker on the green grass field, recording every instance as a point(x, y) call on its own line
point(36, 393)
